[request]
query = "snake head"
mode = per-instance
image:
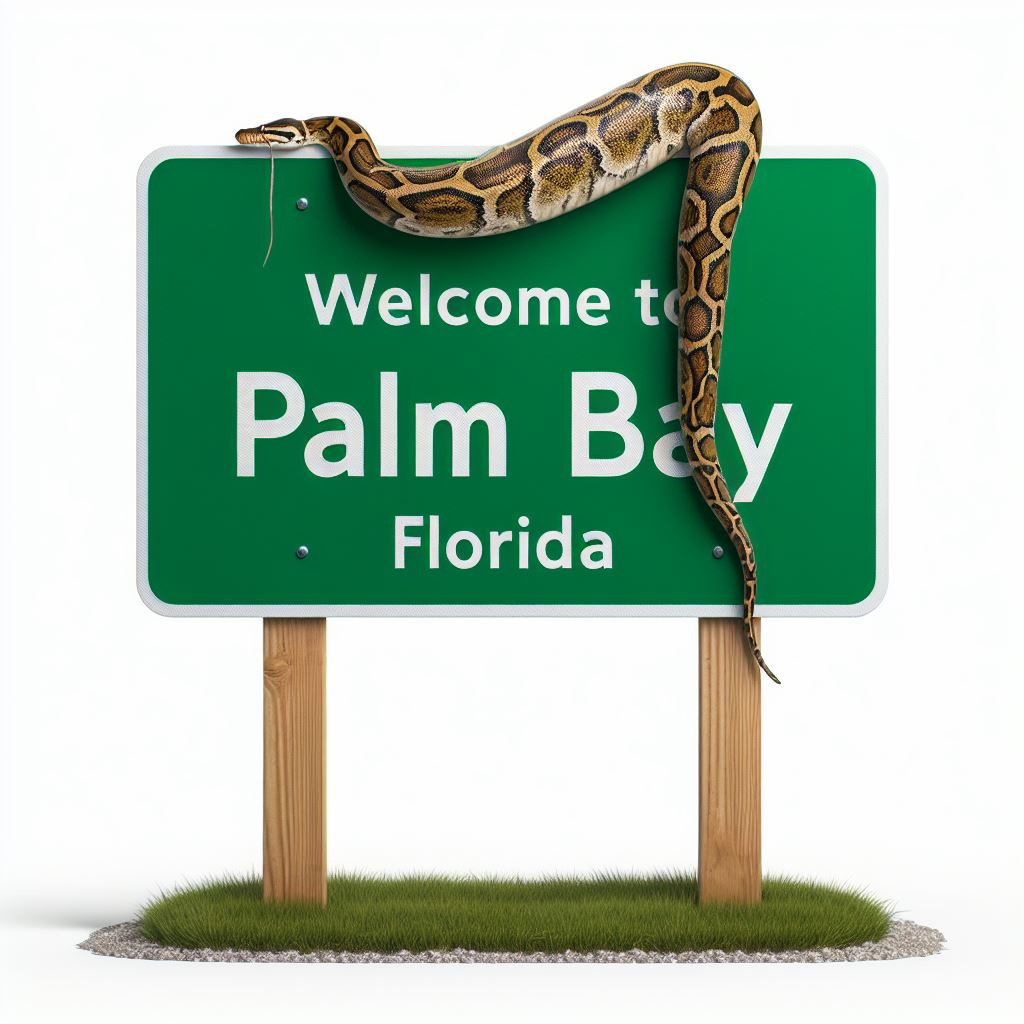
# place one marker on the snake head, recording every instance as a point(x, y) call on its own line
point(285, 132)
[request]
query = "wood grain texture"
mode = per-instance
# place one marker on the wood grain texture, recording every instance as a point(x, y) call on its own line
point(729, 854)
point(294, 693)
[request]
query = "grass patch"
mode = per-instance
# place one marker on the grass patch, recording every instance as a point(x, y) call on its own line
point(416, 913)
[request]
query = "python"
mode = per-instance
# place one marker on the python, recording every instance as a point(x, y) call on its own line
point(700, 109)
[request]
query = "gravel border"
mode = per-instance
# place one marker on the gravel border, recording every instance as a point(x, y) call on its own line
point(905, 939)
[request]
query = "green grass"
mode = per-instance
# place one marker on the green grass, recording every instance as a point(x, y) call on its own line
point(616, 912)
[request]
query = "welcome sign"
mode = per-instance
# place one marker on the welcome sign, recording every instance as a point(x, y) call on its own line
point(375, 423)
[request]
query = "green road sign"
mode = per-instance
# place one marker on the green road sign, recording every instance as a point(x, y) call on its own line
point(375, 423)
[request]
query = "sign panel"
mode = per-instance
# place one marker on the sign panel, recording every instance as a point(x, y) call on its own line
point(376, 423)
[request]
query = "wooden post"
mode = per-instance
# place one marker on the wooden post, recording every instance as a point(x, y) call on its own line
point(294, 833)
point(729, 853)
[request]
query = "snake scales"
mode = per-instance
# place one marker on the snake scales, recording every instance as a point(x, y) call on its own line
point(574, 160)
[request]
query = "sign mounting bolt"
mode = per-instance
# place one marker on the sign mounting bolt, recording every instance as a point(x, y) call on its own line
point(717, 551)
point(302, 204)
point(301, 551)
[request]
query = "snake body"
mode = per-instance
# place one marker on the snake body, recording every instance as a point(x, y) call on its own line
point(703, 110)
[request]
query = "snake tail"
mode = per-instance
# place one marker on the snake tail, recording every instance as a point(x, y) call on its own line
point(700, 109)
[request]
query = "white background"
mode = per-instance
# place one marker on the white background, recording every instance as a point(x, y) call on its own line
point(131, 743)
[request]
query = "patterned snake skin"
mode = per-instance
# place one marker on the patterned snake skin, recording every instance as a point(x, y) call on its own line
point(571, 161)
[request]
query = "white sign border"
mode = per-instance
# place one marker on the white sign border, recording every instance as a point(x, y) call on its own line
point(151, 162)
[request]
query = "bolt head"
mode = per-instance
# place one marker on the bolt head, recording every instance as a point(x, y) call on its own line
point(302, 551)
point(718, 551)
point(302, 204)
